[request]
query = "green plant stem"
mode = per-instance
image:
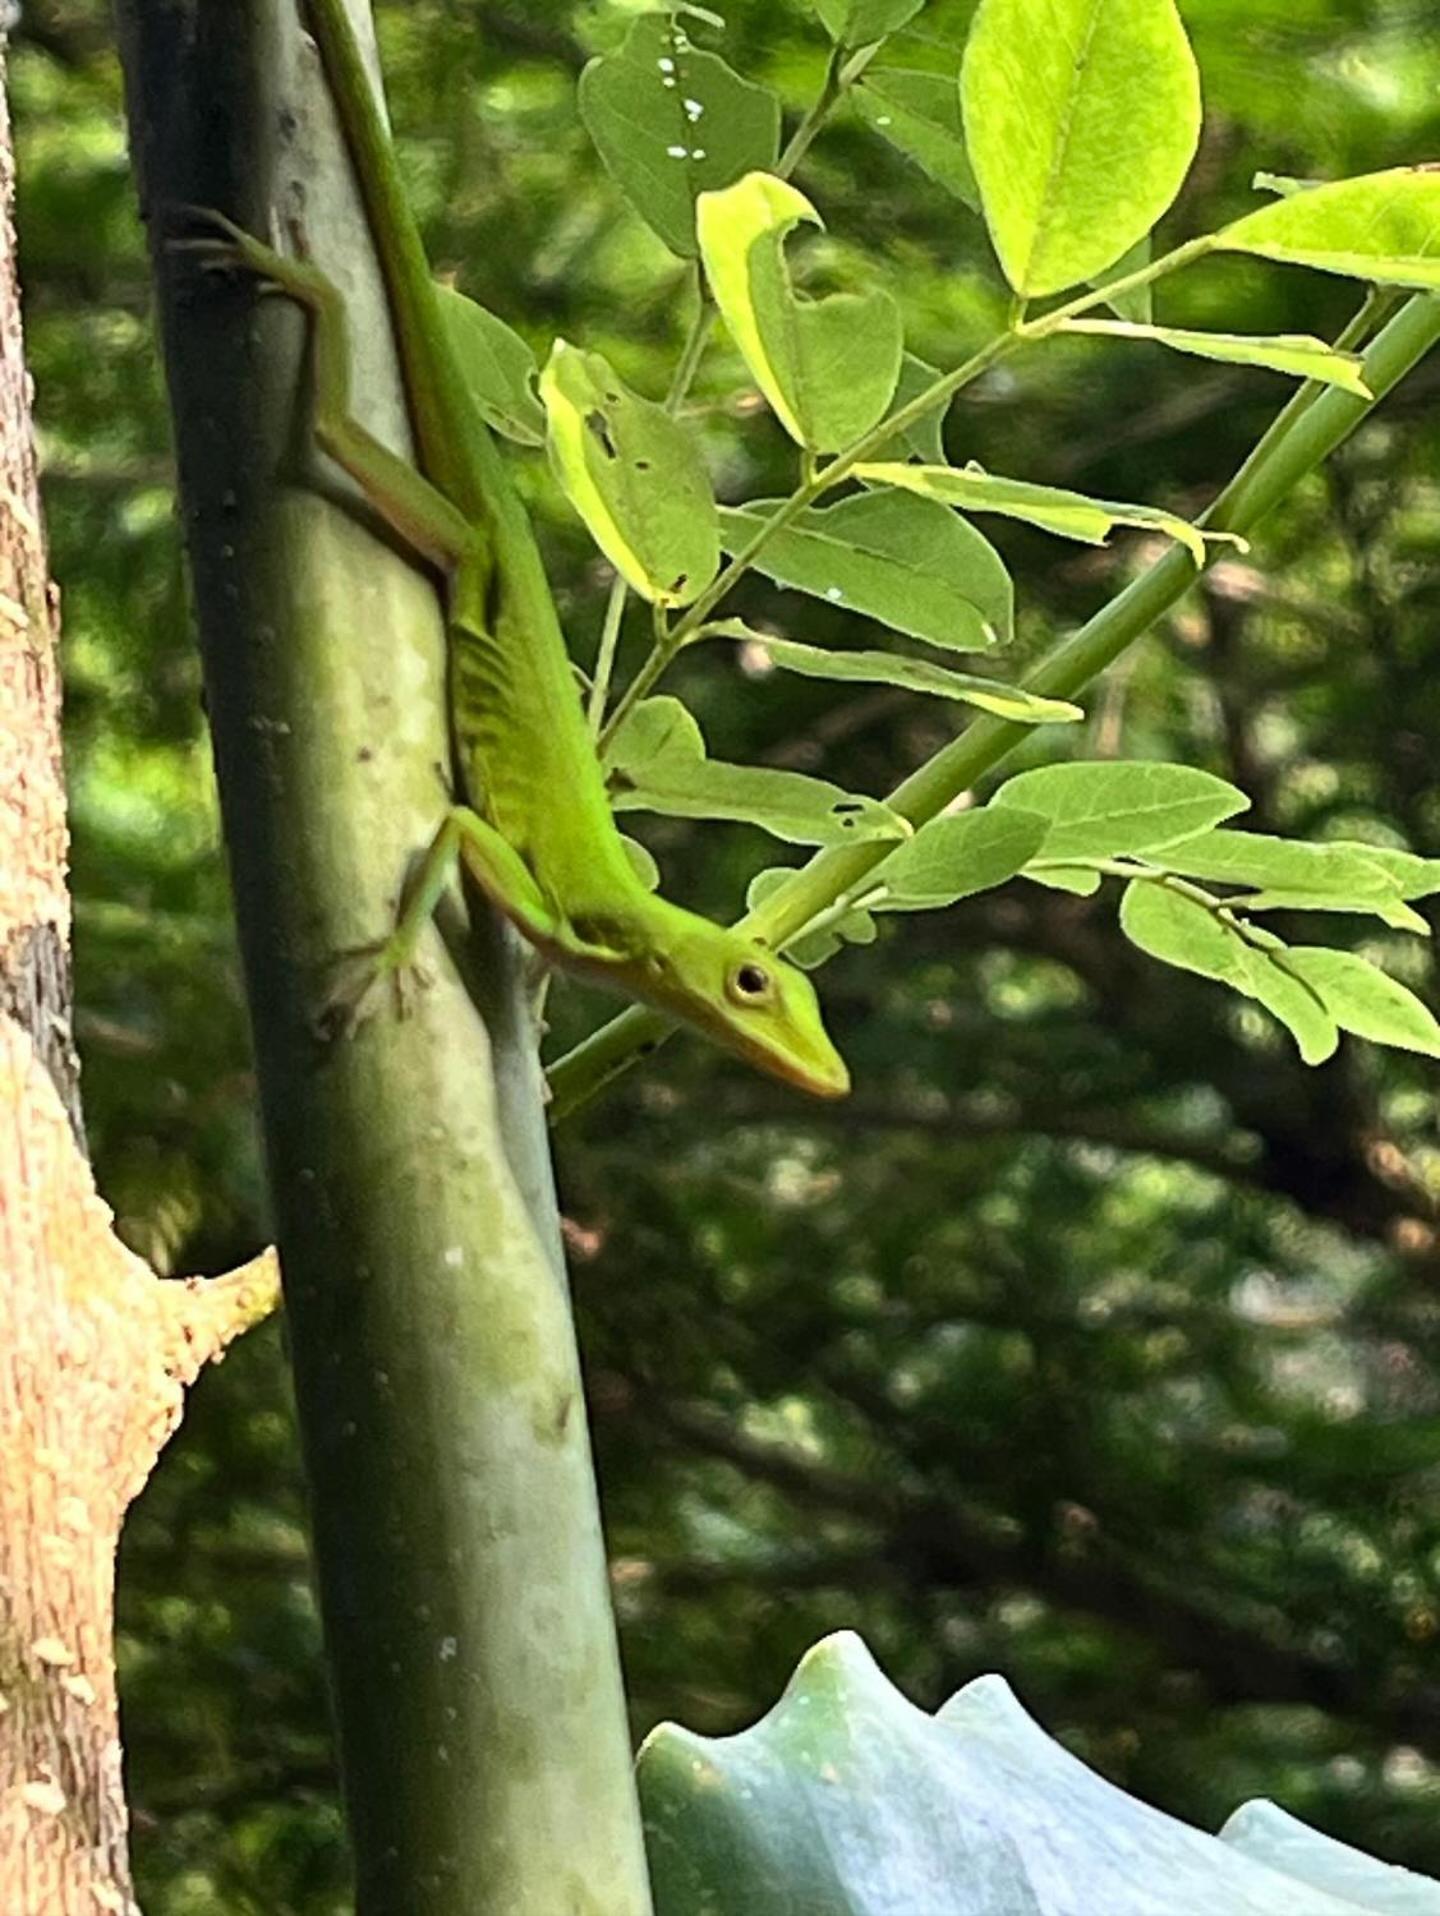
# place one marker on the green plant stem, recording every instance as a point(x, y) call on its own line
point(605, 657)
point(1306, 432)
point(468, 1631)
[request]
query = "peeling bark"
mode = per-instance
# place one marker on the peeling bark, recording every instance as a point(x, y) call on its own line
point(95, 1350)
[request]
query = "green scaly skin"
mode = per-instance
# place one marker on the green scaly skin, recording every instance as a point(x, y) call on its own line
point(538, 836)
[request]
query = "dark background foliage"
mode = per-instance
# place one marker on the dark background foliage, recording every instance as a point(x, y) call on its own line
point(1095, 1340)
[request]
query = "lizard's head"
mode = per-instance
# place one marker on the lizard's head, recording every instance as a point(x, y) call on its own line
point(745, 997)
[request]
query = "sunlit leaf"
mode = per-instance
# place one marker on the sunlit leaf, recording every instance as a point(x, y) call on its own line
point(1081, 121)
point(912, 675)
point(671, 123)
point(498, 367)
point(828, 367)
point(1381, 226)
point(1098, 810)
point(1298, 354)
point(1363, 999)
point(911, 564)
point(1071, 515)
point(1271, 1836)
point(1291, 875)
point(918, 112)
point(635, 476)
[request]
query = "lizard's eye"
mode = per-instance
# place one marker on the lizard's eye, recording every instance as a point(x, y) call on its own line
point(751, 984)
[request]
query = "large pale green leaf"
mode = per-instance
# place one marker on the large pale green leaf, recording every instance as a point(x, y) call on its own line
point(1298, 354)
point(912, 675)
point(1081, 119)
point(1183, 932)
point(955, 857)
point(1130, 806)
point(847, 1800)
point(1363, 999)
point(1267, 1834)
point(911, 564)
point(1071, 515)
point(1382, 226)
point(918, 112)
point(671, 123)
point(860, 23)
point(1295, 876)
point(658, 764)
point(635, 476)
point(498, 367)
point(828, 367)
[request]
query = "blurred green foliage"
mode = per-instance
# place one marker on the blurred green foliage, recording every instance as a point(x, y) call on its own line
point(1095, 1340)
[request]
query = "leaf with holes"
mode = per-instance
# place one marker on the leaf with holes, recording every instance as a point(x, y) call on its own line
point(635, 476)
point(913, 565)
point(671, 123)
point(1133, 806)
point(911, 675)
point(658, 764)
point(497, 365)
point(1080, 125)
point(918, 113)
point(1070, 515)
point(828, 367)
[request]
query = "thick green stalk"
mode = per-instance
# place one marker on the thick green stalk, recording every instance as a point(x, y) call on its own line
point(461, 1567)
point(1305, 433)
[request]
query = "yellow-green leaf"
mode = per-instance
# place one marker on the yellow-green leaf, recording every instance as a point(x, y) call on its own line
point(1081, 119)
point(1299, 354)
point(1381, 226)
point(635, 476)
point(828, 367)
point(1071, 515)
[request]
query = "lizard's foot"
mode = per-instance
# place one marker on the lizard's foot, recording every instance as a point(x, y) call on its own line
point(223, 247)
point(362, 980)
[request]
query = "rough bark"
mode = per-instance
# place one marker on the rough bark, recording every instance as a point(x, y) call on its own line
point(95, 1350)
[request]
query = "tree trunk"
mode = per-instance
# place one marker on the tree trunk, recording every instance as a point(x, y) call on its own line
point(95, 1351)
point(484, 1746)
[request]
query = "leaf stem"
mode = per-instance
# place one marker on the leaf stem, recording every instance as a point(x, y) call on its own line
point(605, 657)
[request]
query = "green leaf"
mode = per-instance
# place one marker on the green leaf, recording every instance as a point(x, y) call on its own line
point(1138, 303)
point(1382, 226)
point(828, 367)
point(813, 948)
point(1071, 515)
point(1361, 998)
point(635, 476)
point(1180, 931)
point(497, 365)
point(658, 764)
point(1416, 877)
point(671, 123)
point(919, 114)
point(1081, 123)
point(957, 856)
point(912, 675)
point(1298, 354)
point(1133, 805)
point(1295, 876)
point(847, 1800)
point(642, 862)
point(860, 23)
point(925, 439)
point(909, 563)
point(1077, 879)
point(1283, 184)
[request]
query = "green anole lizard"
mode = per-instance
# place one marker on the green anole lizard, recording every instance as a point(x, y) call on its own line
point(537, 835)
